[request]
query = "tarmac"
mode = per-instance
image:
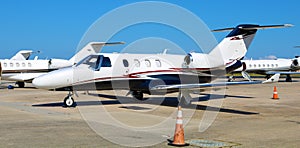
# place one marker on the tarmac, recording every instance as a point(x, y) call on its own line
point(246, 117)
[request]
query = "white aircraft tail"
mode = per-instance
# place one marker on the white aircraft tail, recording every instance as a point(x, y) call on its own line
point(22, 55)
point(234, 47)
point(91, 48)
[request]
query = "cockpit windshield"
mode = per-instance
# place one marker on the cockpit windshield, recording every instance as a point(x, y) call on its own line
point(94, 62)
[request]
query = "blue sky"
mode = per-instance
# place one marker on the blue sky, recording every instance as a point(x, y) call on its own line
point(55, 27)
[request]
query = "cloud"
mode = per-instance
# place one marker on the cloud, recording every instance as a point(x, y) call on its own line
point(269, 57)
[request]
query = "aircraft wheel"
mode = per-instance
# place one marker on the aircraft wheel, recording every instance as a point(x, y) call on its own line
point(138, 95)
point(69, 102)
point(288, 78)
point(21, 84)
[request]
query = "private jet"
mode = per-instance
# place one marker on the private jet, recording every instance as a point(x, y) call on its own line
point(155, 73)
point(270, 67)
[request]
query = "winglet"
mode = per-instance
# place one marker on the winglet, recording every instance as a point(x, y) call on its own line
point(246, 76)
point(274, 78)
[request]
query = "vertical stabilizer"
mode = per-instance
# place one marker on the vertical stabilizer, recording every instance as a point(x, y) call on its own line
point(91, 48)
point(237, 42)
point(22, 55)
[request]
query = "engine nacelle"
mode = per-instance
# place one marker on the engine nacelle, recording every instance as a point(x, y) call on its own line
point(59, 63)
point(200, 60)
point(295, 64)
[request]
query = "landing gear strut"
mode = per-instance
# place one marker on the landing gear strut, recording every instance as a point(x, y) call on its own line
point(184, 97)
point(69, 101)
point(288, 78)
point(21, 84)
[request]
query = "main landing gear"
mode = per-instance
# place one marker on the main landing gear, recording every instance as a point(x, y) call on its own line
point(288, 78)
point(21, 84)
point(138, 95)
point(69, 101)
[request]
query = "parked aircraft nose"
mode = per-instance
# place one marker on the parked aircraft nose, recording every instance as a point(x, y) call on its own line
point(54, 79)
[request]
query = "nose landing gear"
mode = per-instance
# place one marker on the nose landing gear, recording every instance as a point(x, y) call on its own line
point(69, 101)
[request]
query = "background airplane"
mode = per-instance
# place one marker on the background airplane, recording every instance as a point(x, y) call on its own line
point(154, 73)
point(269, 67)
point(20, 69)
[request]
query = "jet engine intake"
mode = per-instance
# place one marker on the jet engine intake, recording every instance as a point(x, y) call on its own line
point(295, 64)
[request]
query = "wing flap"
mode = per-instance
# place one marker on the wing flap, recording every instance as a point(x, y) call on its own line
point(282, 72)
point(273, 79)
point(202, 85)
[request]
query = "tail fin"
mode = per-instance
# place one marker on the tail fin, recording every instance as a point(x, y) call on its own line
point(91, 48)
point(22, 55)
point(236, 43)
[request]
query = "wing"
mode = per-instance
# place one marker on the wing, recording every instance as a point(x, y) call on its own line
point(274, 78)
point(282, 72)
point(28, 77)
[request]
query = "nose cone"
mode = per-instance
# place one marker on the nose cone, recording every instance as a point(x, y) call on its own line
point(54, 79)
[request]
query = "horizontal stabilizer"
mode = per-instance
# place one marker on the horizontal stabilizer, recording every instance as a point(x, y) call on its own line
point(110, 43)
point(254, 27)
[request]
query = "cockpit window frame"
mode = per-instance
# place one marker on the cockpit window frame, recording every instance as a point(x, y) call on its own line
point(96, 66)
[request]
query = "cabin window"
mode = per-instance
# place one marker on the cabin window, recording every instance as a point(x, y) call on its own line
point(18, 64)
point(276, 65)
point(147, 62)
point(264, 65)
point(125, 63)
point(11, 64)
point(137, 63)
point(272, 65)
point(250, 65)
point(258, 65)
point(29, 64)
point(23, 64)
point(158, 63)
point(254, 65)
point(268, 65)
point(5, 64)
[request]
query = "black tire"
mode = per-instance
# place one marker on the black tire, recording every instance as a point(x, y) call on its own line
point(288, 79)
point(69, 102)
point(21, 84)
point(138, 95)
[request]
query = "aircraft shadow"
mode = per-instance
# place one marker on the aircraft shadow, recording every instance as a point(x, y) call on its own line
point(167, 101)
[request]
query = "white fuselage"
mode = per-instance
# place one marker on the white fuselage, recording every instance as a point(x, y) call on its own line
point(263, 66)
point(120, 67)
point(26, 70)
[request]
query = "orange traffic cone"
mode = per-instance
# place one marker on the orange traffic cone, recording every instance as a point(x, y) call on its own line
point(275, 94)
point(178, 139)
